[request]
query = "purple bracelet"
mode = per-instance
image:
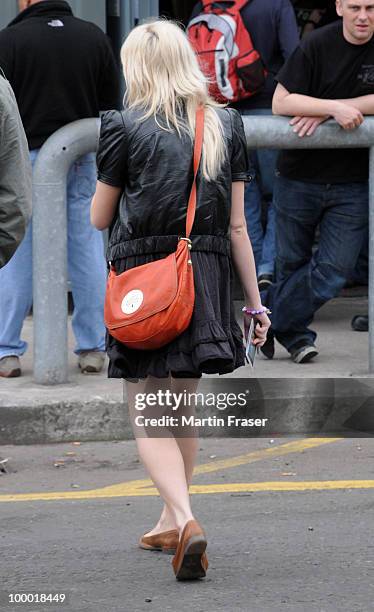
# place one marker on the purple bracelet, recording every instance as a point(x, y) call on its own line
point(253, 312)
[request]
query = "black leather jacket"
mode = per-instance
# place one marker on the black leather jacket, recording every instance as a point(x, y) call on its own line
point(154, 169)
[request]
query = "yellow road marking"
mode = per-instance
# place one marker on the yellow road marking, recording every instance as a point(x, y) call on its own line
point(264, 453)
point(145, 486)
point(233, 487)
point(248, 487)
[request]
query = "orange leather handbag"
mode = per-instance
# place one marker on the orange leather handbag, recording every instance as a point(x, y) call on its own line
point(150, 305)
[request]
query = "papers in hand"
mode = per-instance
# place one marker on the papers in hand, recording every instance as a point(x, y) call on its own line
point(250, 349)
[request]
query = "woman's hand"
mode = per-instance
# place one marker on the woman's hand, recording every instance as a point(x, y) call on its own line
point(262, 324)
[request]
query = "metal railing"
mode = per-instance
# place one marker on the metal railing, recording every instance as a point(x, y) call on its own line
point(50, 227)
point(50, 308)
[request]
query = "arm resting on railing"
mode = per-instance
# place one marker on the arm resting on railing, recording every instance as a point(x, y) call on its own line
point(292, 104)
point(365, 104)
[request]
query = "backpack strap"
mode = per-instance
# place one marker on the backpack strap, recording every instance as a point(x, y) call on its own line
point(237, 4)
point(198, 147)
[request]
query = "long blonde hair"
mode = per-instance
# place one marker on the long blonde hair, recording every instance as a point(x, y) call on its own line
point(163, 78)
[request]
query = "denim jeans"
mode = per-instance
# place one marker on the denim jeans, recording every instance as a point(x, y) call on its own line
point(305, 280)
point(86, 269)
point(361, 273)
point(263, 242)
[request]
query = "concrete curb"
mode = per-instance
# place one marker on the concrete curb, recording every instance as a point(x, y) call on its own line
point(64, 422)
point(293, 406)
point(299, 399)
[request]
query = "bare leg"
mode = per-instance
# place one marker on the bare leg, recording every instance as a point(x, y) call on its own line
point(188, 447)
point(164, 458)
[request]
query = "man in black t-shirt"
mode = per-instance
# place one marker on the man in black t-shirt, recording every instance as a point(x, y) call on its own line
point(330, 75)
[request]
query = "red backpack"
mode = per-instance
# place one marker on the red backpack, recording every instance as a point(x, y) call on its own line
point(225, 51)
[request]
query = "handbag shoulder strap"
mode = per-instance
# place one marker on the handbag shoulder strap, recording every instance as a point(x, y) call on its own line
point(198, 146)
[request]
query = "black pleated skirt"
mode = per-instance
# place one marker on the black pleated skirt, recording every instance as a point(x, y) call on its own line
point(213, 342)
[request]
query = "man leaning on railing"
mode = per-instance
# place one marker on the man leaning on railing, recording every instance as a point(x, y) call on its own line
point(331, 74)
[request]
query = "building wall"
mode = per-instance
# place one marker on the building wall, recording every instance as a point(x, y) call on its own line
point(133, 12)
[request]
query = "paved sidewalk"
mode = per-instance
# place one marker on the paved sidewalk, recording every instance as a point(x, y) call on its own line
point(92, 406)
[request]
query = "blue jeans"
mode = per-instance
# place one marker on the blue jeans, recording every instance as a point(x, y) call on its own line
point(86, 268)
point(361, 273)
point(263, 242)
point(305, 280)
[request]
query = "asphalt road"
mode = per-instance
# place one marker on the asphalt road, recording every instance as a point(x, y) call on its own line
point(289, 525)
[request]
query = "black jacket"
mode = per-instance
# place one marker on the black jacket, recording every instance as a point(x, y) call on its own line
point(61, 68)
point(154, 169)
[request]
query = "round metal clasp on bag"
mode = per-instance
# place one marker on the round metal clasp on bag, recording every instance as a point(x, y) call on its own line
point(189, 243)
point(132, 301)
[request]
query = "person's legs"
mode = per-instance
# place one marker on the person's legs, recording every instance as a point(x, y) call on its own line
point(302, 286)
point(168, 461)
point(253, 207)
point(16, 293)
point(16, 297)
point(252, 211)
point(342, 231)
point(298, 209)
point(187, 445)
point(267, 266)
point(266, 160)
point(361, 272)
point(86, 261)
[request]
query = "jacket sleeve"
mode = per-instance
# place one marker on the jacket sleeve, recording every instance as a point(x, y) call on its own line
point(15, 175)
point(240, 166)
point(111, 158)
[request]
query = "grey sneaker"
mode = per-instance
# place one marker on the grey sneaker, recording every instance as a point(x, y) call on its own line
point(304, 354)
point(10, 367)
point(91, 361)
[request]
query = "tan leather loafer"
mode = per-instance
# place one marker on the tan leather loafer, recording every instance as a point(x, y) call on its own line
point(190, 561)
point(166, 541)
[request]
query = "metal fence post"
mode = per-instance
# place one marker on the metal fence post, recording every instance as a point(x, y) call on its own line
point(50, 246)
point(371, 261)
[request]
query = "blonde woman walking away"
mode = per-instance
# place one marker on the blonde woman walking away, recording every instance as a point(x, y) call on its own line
point(145, 173)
